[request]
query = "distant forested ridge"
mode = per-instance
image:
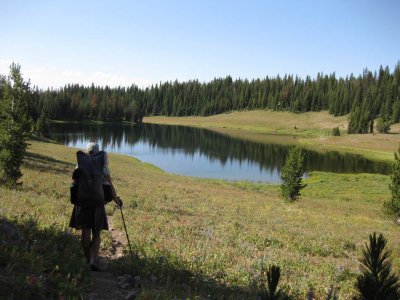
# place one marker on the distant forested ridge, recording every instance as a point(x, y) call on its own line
point(365, 97)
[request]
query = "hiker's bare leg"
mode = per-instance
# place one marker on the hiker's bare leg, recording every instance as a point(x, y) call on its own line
point(86, 242)
point(95, 245)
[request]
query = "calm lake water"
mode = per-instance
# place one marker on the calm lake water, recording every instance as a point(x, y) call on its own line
point(204, 153)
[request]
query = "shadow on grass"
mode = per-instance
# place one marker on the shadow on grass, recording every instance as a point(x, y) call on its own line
point(160, 279)
point(40, 263)
point(43, 139)
point(163, 278)
point(45, 163)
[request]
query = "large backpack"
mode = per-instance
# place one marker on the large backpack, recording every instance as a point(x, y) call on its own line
point(90, 189)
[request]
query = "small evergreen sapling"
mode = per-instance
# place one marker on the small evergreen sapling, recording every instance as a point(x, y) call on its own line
point(292, 173)
point(269, 289)
point(335, 131)
point(377, 280)
point(392, 207)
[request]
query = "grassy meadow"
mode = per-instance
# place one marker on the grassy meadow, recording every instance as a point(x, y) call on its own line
point(41, 259)
point(204, 238)
point(312, 129)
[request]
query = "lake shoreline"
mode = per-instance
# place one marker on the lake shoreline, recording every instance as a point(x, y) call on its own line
point(205, 153)
point(312, 130)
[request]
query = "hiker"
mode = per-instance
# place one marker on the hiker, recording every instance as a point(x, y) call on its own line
point(89, 213)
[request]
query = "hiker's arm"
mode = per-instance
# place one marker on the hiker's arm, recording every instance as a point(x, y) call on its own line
point(75, 175)
point(106, 172)
point(114, 193)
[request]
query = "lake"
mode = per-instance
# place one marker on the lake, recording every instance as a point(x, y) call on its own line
point(204, 153)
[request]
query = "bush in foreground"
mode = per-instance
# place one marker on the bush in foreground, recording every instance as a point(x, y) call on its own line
point(269, 288)
point(377, 280)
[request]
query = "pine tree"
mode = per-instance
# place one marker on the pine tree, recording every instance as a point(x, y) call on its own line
point(377, 280)
point(269, 289)
point(15, 125)
point(292, 173)
point(364, 97)
point(354, 120)
point(382, 126)
point(41, 126)
point(392, 207)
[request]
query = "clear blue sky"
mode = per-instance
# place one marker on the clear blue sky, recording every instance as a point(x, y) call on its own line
point(144, 42)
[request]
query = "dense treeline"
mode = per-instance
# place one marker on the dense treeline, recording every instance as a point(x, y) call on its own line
point(366, 97)
point(76, 102)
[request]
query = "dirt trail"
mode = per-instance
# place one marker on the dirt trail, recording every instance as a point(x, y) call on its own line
point(105, 284)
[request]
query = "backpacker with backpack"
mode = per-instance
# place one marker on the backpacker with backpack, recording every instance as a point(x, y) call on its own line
point(89, 192)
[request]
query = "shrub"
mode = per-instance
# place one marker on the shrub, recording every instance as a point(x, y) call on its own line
point(292, 173)
point(376, 280)
point(336, 131)
point(269, 289)
point(392, 207)
point(382, 126)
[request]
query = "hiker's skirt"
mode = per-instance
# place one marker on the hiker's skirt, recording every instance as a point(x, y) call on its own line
point(87, 217)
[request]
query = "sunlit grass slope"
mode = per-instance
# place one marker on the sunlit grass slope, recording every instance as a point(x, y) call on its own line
point(313, 130)
point(266, 121)
point(208, 237)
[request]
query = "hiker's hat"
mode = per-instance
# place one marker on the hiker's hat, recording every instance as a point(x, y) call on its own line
point(92, 148)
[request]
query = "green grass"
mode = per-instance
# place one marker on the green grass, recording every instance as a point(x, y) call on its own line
point(47, 263)
point(202, 237)
point(263, 121)
point(225, 231)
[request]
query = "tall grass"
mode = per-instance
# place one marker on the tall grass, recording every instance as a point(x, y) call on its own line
point(198, 237)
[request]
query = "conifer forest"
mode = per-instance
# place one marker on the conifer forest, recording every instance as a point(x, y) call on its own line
point(365, 97)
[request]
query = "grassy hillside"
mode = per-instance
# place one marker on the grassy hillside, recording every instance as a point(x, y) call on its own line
point(313, 130)
point(39, 257)
point(197, 236)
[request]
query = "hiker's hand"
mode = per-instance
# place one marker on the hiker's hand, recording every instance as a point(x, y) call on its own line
point(119, 201)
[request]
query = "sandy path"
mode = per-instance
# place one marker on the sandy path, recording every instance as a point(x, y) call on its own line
point(105, 284)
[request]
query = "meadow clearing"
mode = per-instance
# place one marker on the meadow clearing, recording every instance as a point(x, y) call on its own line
point(312, 129)
point(202, 237)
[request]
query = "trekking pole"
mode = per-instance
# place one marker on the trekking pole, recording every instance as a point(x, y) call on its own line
point(126, 231)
